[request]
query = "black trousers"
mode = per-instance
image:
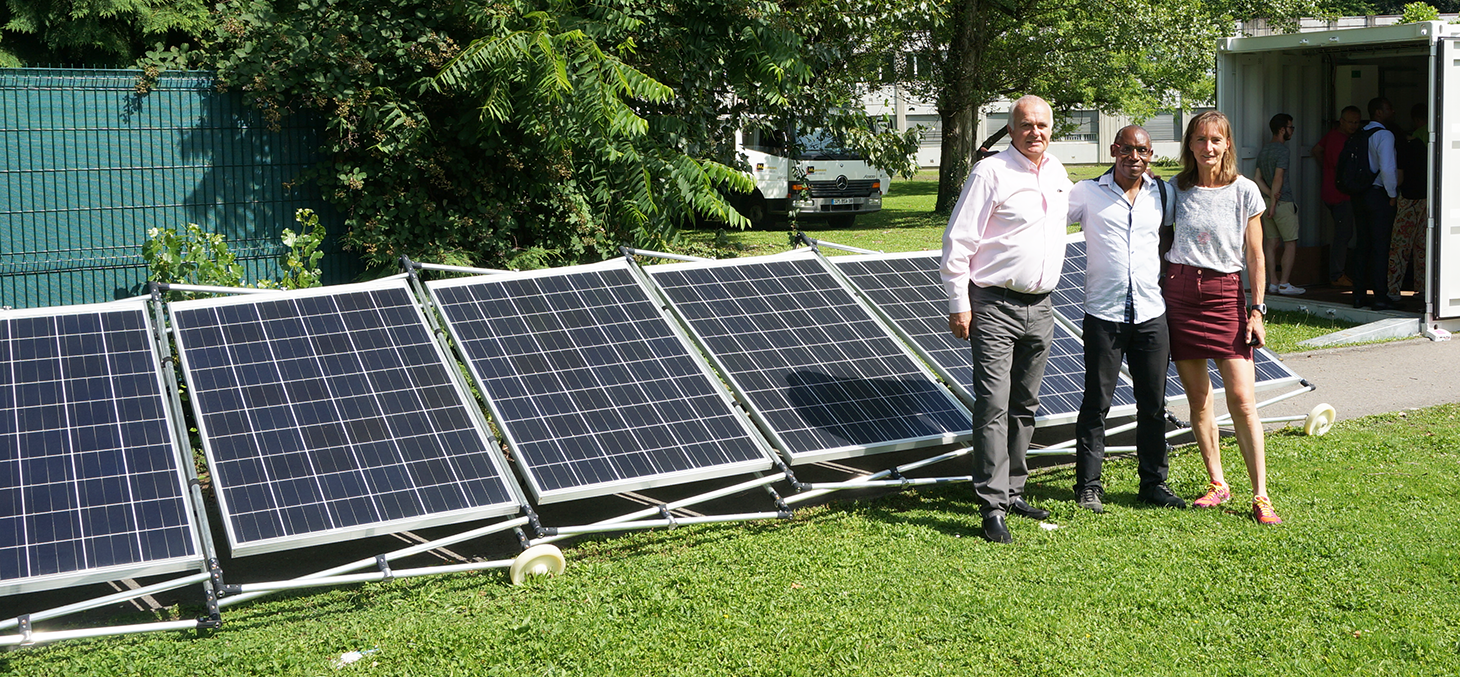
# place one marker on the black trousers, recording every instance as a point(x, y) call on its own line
point(1373, 228)
point(1147, 348)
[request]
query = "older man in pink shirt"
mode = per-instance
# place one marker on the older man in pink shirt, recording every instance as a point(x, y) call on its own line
point(1002, 254)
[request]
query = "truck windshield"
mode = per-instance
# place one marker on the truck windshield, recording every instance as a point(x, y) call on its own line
point(821, 145)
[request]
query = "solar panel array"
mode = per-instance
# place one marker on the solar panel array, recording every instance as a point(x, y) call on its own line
point(821, 372)
point(91, 488)
point(595, 390)
point(908, 289)
point(331, 415)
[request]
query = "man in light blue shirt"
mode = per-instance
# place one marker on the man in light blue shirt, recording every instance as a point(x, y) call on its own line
point(1374, 212)
point(1122, 214)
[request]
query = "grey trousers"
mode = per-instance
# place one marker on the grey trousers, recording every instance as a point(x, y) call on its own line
point(1011, 335)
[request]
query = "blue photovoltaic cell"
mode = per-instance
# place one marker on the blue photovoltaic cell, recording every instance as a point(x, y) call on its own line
point(591, 384)
point(1269, 370)
point(326, 415)
point(822, 372)
point(908, 289)
point(1069, 295)
point(89, 474)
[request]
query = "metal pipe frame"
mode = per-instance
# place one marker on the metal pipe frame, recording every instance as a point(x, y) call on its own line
point(374, 576)
point(843, 247)
point(665, 523)
point(109, 631)
point(457, 269)
point(322, 577)
point(630, 251)
point(633, 520)
point(114, 598)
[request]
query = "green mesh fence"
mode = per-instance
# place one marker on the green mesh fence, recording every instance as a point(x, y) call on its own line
point(87, 166)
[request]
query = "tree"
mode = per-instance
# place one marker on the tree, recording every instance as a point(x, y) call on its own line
point(1131, 56)
point(530, 132)
point(93, 32)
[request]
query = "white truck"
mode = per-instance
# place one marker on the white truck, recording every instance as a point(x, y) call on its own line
point(1313, 75)
point(823, 181)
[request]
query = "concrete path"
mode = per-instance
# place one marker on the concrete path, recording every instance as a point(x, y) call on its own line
point(1370, 379)
point(1375, 379)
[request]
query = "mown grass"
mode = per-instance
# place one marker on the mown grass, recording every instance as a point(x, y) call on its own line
point(1363, 578)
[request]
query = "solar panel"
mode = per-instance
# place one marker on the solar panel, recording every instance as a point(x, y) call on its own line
point(91, 488)
point(1069, 295)
point(907, 289)
point(821, 373)
point(330, 414)
point(1270, 372)
point(595, 390)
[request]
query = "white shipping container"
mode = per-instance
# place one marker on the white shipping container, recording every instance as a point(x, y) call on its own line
point(1312, 76)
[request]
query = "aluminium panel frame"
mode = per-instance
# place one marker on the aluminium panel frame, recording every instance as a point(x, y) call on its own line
point(335, 535)
point(182, 469)
point(542, 496)
point(846, 451)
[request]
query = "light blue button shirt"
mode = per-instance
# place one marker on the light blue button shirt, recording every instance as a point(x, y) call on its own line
point(1122, 245)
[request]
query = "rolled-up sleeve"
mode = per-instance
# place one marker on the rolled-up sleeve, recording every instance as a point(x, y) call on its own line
point(962, 237)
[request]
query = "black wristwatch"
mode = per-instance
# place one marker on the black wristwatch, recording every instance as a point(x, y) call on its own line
point(1261, 308)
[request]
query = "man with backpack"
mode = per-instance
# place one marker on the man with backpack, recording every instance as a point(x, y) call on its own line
point(1370, 153)
point(1340, 205)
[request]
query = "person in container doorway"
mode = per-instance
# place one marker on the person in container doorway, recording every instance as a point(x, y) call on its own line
point(1216, 233)
point(1340, 206)
point(1280, 220)
point(1408, 243)
point(1002, 254)
point(1374, 211)
point(1122, 213)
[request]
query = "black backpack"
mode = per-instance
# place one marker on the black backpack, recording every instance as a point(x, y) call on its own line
point(1353, 176)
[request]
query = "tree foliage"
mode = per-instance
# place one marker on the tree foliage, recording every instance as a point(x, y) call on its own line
point(527, 132)
point(1131, 56)
point(95, 32)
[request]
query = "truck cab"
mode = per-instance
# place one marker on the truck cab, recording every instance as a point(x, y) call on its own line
point(822, 180)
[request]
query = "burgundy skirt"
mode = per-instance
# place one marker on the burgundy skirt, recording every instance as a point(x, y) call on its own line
point(1206, 312)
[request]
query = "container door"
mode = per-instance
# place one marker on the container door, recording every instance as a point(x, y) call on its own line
point(1444, 255)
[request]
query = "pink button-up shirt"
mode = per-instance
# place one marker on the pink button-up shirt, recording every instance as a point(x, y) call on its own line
point(1008, 228)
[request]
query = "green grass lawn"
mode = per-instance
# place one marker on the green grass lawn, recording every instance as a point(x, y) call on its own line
point(1363, 578)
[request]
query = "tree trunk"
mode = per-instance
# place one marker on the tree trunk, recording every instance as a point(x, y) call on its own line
point(959, 100)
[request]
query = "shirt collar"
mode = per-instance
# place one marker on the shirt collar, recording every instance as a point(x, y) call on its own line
point(1108, 179)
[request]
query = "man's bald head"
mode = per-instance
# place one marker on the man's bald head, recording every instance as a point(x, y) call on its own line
point(1132, 152)
point(1030, 122)
point(1133, 135)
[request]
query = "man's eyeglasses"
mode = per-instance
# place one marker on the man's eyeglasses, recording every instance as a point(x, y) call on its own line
point(1133, 151)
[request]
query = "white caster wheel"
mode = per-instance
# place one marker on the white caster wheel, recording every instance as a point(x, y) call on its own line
point(539, 560)
point(1319, 420)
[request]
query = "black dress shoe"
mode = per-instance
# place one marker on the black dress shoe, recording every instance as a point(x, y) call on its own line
point(1160, 495)
point(1022, 509)
point(1384, 305)
point(994, 530)
point(1360, 301)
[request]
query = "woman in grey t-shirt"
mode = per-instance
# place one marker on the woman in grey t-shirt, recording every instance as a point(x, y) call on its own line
point(1218, 229)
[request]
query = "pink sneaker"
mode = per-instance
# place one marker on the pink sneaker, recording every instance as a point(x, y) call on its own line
point(1262, 511)
point(1217, 494)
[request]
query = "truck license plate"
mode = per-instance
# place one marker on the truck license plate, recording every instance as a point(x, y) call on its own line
point(841, 201)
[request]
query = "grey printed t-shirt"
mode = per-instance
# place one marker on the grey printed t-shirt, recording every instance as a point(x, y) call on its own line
point(1210, 223)
point(1272, 157)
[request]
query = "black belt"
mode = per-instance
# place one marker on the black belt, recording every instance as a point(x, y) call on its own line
point(1011, 295)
